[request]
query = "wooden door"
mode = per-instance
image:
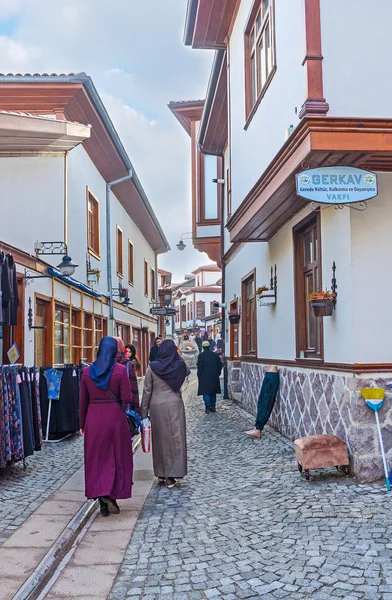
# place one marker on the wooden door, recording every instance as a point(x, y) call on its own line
point(42, 337)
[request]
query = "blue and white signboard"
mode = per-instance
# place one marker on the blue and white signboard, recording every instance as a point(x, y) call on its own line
point(336, 185)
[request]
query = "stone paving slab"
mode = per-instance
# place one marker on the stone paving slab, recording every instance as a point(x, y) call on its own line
point(243, 524)
point(93, 567)
point(21, 553)
point(22, 491)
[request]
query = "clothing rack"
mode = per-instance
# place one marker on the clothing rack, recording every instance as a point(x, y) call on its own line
point(46, 439)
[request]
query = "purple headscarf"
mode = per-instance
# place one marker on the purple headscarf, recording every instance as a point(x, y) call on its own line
point(169, 366)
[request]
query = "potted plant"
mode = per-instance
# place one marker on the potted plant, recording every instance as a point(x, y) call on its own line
point(123, 292)
point(265, 296)
point(93, 275)
point(234, 317)
point(322, 303)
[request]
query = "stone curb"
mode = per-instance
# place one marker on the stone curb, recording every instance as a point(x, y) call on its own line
point(37, 581)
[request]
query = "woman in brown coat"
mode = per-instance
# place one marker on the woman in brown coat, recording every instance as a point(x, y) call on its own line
point(162, 402)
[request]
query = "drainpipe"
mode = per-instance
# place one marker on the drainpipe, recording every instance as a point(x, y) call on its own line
point(109, 247)
point(223, 265)
point(156, 295)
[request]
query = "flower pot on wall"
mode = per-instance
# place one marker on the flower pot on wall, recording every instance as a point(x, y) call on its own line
point(267, 298)
point(234, 319)
point(322, 308)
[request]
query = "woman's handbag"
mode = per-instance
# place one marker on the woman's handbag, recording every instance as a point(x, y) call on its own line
point(132, 422)
point(146, 435)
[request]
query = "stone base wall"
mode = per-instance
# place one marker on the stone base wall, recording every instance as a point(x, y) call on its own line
point(314, 402)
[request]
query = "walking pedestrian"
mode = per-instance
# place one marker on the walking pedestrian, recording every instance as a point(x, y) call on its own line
point(123, 359)
point(209, 367)
point(108, 459)
point(199, 342)
point(130, 351)
point(155, 348)
point(212, 343)
point(162, 402)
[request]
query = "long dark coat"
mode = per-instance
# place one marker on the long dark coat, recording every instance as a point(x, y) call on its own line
point(108, 457)
point(168, 427)
point(209, 367)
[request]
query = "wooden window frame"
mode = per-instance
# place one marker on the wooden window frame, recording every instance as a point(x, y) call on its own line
point(119, 252)
point(234, 327)
point(213, 308)
point(244, 282)
point(153, 284)
point(125, 333)
point(131, 263)
point(228, 194)
point(94, 251)
point(183, 309)
point(201, 220)
point(267, 20)
point(64, 308)
point(146, 278)
point(200, 302)
point(300, 300)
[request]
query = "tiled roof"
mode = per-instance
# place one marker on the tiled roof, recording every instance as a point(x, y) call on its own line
point(185, 102)
point(81, 74)
point(32, 116)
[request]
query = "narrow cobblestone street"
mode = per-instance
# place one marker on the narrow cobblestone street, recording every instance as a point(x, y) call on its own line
point(245, 525)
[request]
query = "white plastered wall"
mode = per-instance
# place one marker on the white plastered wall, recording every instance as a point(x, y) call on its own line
point(357, 50)
point(254, 148)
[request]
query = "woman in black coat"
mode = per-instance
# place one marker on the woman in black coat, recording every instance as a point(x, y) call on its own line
point(209, 367)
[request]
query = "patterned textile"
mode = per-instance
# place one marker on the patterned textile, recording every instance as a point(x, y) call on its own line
point(15, 450)
point(3, 461)
point(53, 378)
point(37, 403)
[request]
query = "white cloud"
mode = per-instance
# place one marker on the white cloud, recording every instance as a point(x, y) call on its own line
point(135, 55)
point(16, 56)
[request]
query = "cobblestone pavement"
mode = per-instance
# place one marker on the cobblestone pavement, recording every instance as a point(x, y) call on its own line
point(22, 491)
point(245, 525)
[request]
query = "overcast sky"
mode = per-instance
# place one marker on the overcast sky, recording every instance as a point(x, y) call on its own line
point(134, 52)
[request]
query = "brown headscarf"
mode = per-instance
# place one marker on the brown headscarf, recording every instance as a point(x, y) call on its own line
point(120, 356)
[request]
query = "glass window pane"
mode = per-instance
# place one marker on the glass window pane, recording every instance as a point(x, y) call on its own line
point(265, 6)
point(262, 66)
point(252, 38)
point(66, 334)
point(258, 21)
point(66, 355)
point(316, 246)
point(210, 188)
point(58, 333)
point(58, 315)
point(268, 56)
point(58, 355)
point(310, 318)
point(308, 248)
point(66, 316)
point(253, 77)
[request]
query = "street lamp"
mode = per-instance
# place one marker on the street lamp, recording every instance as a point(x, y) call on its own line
point(187, 236)
point(67, 266)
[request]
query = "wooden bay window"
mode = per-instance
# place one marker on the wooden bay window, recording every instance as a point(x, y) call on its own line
point(209, 168)
point(260, 61)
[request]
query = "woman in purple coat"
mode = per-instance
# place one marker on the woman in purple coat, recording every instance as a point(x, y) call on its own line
point(108, 459)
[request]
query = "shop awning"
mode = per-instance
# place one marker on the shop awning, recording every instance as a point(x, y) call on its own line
point(74, 283)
